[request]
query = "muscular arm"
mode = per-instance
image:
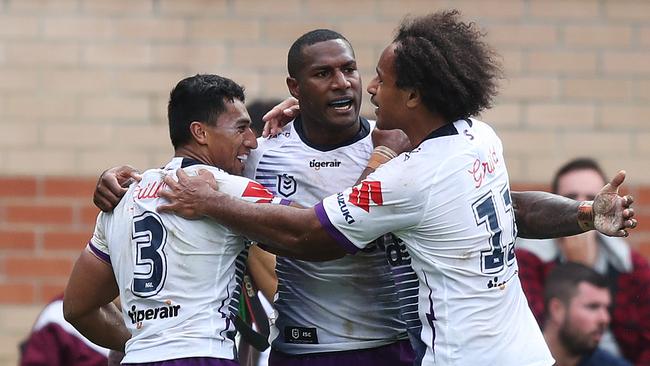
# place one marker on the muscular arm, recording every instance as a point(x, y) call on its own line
point(542, 215)
point(87, 303)
point(294, 232)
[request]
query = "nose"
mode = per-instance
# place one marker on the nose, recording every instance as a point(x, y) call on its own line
point(340, 81)
point(372, 87)
point(604, 316)
point(250, 141)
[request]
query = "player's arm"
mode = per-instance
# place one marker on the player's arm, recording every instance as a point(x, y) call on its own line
point(296, 232)
point(87, 303)
point(542, 215)
point(261, 266)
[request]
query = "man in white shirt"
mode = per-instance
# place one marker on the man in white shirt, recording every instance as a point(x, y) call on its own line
point(176, 278)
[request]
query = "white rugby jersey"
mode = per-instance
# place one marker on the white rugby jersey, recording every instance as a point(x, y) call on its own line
point(345, 304)
point(176, 277)
point(449, 201)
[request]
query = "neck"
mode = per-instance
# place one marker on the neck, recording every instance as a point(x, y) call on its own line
point(188, 152)
point(323, 134)
point(421, 124)
point(561, 355)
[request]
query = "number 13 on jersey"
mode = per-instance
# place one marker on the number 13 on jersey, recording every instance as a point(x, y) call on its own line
point(495, 213)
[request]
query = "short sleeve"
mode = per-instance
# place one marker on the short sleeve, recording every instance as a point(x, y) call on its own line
point(247, 189)
point(98, 245)
point(389, 200)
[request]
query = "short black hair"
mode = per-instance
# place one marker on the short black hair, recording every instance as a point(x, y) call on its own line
point(445, 59)
point(577, 164)
point(256, 110)
point(295, 58)
point(198, 98)
point(563, 280)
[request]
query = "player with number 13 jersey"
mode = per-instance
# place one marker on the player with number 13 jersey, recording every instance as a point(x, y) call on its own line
point(462, 252)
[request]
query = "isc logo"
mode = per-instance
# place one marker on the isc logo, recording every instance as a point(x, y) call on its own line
point(369, 191)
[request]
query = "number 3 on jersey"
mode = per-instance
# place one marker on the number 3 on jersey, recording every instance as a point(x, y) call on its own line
point(496, 219)
point(149, 238)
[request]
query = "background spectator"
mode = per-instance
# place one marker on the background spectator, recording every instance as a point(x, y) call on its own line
point(627, 271)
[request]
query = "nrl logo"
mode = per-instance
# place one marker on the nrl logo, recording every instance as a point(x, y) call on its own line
point(286, 185)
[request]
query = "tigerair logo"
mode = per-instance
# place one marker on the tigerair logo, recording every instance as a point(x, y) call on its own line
point(138, 316)
point(324, 164)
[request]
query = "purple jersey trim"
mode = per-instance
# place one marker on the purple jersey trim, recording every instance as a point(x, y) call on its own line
point(98, 253)
point(284, 202)
point(333, 231)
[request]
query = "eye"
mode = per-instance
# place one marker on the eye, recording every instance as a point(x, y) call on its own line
point(321, 74)
point(350, 70)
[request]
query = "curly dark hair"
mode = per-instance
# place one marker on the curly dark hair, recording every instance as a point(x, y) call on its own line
point(201, 97)
point(446, 60)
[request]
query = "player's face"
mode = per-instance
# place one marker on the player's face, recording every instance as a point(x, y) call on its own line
point(328, 85)
point(581, 185)
point(231, 139)
point(385, 95)
point(586, 318)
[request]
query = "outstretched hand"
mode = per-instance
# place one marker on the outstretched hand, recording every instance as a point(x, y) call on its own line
point(279, 116)
point(188, 195)
point(112, 185)
point(613, 215)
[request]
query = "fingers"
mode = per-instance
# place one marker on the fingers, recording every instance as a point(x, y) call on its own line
point(125, 174)
point(628, 213)
point(630, 224)
point(627, 201)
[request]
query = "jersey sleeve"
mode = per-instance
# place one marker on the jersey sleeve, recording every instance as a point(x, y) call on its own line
point(247, 189)
point(98, 245)
point(386, 201)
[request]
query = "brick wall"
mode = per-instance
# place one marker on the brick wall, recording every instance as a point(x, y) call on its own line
point(84, 86)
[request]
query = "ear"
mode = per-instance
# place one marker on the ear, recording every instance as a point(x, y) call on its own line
point(557, 311)
point(292, 84)
point(199, 132)
point(413, 98)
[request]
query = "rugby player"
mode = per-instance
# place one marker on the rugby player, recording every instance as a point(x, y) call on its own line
point(175, 277)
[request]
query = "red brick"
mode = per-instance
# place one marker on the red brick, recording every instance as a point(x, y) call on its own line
point(88, 215)
point(66, 240)
point(17, 187)
point(642, 197)
point(37, 267)
point(51, 291)
point(17, 293)
point(69, 187)
point(38, 214)
point(16, 239)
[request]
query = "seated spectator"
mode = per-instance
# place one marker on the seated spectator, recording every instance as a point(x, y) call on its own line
point(577, 301)
point(54, 342)
point(628, 271)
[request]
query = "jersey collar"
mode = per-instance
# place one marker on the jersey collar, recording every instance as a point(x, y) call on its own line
point(364, 130)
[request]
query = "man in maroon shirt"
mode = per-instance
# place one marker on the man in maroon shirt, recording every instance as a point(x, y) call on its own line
point(628, 272)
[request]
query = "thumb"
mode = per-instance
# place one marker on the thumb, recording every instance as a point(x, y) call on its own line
point(616, 182)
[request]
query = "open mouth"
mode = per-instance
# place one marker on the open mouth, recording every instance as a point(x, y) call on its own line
point(341, 104)
point(242, 158)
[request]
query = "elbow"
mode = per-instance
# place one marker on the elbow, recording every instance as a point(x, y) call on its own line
point(70, 313)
